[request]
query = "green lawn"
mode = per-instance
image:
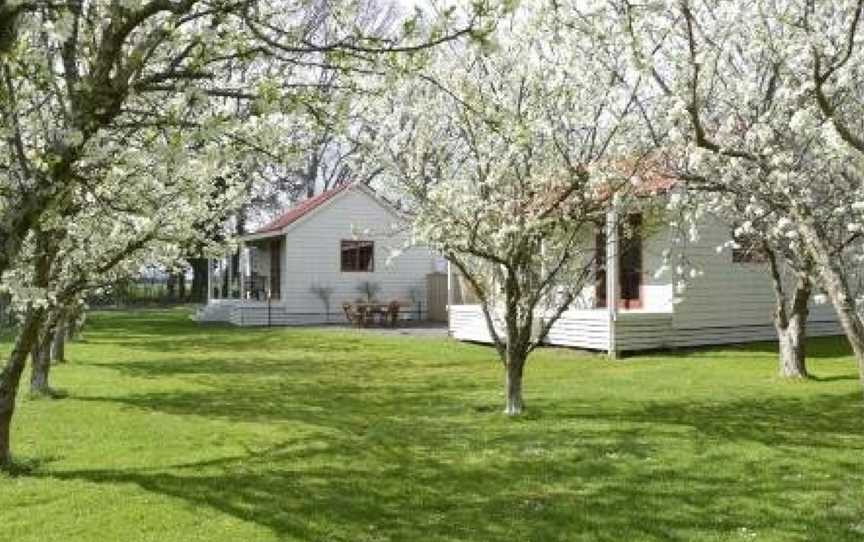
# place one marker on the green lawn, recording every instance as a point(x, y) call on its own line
point(176, 432)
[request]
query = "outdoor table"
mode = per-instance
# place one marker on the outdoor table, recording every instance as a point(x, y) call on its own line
point(383, 310)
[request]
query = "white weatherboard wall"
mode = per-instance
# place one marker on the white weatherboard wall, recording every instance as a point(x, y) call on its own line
point(728, 303)
point(731, 302)
point(312, 256)
point(467, 323)
point(588, 328)
point(657, 292)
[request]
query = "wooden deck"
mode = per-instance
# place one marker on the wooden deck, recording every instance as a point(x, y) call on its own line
point(578, 328)
point(634, 330)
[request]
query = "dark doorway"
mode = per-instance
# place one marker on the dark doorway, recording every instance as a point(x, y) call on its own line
point(600, 267)
point(629, 264)
point(276, 268)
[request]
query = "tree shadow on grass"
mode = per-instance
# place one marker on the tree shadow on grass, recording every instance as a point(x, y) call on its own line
point(834, 378)
point(393, 493)
point(145, 322)
point(375, 454)
point(825, 421)
point(27, 466)
point(817, 348)
point(375, 460)
point(344, 395)
point(240, 341)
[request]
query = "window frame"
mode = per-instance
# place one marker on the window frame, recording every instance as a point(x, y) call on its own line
point(355, 247)
point(746, 250)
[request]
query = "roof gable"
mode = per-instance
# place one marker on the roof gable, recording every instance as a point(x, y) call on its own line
point(311, 205)
point(298, 211)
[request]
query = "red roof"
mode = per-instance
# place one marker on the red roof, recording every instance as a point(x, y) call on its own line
point(648, 175)
point(300, 210)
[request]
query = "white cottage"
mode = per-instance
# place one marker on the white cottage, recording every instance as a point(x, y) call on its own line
point(328, 250)
point(732, 301)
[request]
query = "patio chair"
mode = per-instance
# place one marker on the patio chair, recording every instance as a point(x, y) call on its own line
point(354, 316)
point(393, 313)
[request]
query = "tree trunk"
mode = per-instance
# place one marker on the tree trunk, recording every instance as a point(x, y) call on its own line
point(171, 286)
point(199, 279)
point(792, 340)
point(837, 287)
point(515, 365)
point(850, 320)
point(514, 405)
point(41, 357)
point(235, 285)
point(226, 292)
point(790, 321)
point(4, 308)
point(75, 322)
point(40, 370)
point(11, 377)
point(181, 285)
point(58, 344)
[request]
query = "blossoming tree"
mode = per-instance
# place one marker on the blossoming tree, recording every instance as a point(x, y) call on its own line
point(765, 99)
point(147, 207)
point(503, 153)
point(114, 108)
point(756, 239)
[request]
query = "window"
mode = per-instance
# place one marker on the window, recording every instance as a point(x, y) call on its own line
point(747, 249)
point(358, 256)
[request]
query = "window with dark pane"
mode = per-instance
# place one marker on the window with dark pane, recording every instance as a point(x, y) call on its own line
point(600, 266)
point(358, 256)
point(629, 263)
point(748, 248)
point(630, 268)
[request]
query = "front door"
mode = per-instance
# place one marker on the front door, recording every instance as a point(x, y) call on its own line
point(629, 264)
point(600, 266)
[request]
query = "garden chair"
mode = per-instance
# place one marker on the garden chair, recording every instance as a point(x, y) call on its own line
point(354, 316)
point(393, 313)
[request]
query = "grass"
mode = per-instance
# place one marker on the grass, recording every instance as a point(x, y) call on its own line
point(176, 432)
